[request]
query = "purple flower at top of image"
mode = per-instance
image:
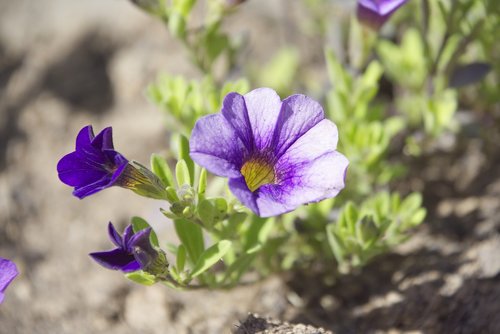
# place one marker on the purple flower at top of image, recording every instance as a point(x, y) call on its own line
point(94, 165)
point(8, 271)
point(133, 251)
point(277, 154)
point(374, 13)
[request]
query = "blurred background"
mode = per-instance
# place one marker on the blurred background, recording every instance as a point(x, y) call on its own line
point(65, 64)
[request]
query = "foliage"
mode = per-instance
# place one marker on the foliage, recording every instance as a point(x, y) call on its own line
point(395, 90)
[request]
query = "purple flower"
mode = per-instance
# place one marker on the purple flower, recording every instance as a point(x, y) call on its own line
point(133, 251)
point(8, 271)
point(94, 165)
point(374, 13)
point(276, 154)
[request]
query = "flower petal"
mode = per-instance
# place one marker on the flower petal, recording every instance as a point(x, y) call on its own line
point(142, 249)
point(382, 7)
point(114, 236)
point(114, 179)
point(263, 108)
point(239, 189)
point(84, 137)
point(235, 112)
point(132, 266)
point(319, 179)
point(320, 139)
point(262, 202)
point(90, 189)
point(127, 235)
point(104, 140)
point(8, 271)
point(310, 170)
point(75, 171)
point(115, 259)
point(298, 114)
point(215, 146)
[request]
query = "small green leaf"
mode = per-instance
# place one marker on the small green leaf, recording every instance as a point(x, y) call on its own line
point(210, 257)
point(141, 277)
point(139, 224)
point(177, 24)
point(351, 215)
point(172, 194)
point(175, 274)
point(191, 237)
point(169, 214)
point(202, 183)
point(258, 231)
point(184, 6)
point(220, 206)
point(182, 173)
point(206, 212)
point(336, 244)
point(181, 258)
point(411, 203)
point(418, 217)
point(184, 155)
point(160, 168)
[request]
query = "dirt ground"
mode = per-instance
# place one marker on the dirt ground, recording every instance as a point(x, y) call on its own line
point(67, 63)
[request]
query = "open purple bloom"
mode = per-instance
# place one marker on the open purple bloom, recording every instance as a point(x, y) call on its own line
point(8, 271)
point(374, 13)
point(133, 251)
point(94, 165)
point(277, 154)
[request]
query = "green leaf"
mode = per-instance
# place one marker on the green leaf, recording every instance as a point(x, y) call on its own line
point(220, 206)
point(210, 257)
point(336, 244)
point(182, 173)
point(184, 6)
point(160, 168)
point(411, 203)
point(181, 258)
point(141, 277)
point(418, 217)
point(172, 194)
point(336, 72)
point(139, 224)
point(202, 183)
point(184, 155)
point(258, 232)
point(191, 236)
point(351, 216)
point(177, 24)
point(206, 212)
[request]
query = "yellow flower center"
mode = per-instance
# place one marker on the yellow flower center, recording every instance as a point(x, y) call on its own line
point(257, 172)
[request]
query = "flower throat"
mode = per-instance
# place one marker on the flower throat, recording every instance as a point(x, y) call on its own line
point(257, 172)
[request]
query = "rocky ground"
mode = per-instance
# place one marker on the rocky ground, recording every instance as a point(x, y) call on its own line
point(65, 64)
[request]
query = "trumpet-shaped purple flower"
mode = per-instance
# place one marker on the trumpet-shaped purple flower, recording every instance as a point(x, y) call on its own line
point(276, 154)
point(8, 271)
point(133, 251)
point(94, 165)
point(374, 13)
